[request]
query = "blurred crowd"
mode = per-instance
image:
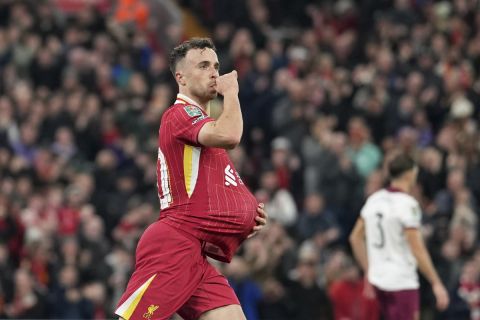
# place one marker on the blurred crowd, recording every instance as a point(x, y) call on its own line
point(329, 90)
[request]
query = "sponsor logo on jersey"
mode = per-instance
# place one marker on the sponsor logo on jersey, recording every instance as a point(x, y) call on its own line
point(199, 118)
point(230, 179)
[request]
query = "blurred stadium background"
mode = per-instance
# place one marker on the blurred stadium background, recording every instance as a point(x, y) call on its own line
point(329, 89)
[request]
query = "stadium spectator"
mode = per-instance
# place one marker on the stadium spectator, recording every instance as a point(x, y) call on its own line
point(308, 299)
point(276, 198)
point(316, 220)
point(248, 292)
point(27, 302)
point(346, 290)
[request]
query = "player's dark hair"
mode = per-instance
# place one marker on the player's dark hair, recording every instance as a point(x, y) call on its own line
point(180, 51)
point(400, 164)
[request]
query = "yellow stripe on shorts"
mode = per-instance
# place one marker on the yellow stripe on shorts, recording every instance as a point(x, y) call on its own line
point(128, 307)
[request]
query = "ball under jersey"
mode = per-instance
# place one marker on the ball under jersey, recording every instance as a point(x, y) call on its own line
point(200, 191)
point(391, 264)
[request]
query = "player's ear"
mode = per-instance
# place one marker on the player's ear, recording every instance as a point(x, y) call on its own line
point(179, 76)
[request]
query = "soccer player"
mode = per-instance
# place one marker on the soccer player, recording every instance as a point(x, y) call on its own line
point(206, 210)
point(388, 244)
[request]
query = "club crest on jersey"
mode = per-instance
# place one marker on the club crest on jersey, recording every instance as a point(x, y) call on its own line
point(150, 310)
point(415, 211)
point(192, 111)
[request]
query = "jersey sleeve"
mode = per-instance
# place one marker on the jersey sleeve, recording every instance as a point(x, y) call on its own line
point(186, 122)
point(412, 215)
point(363, 211)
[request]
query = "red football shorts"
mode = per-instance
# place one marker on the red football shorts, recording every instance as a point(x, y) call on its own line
point(172, 275)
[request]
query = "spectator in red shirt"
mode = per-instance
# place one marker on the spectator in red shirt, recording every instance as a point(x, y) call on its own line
point(348, 296)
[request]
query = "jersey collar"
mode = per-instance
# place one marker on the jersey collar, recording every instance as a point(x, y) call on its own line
point(393, 189)
point(183, 99)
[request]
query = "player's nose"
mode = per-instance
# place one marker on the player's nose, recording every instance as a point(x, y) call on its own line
point(214, 73)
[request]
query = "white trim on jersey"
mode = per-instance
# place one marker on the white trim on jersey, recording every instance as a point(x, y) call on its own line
point(181, 98)
point(166, 194)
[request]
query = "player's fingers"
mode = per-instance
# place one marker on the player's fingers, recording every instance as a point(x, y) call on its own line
point(369, 294)
point(251, 235)
point(261, 220)
point(440, 306)
point(442, 303)
point(230, 74)
point(262, 211)
point(258, 228)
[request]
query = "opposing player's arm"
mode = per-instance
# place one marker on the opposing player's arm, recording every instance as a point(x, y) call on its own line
point(357, 241)
point(417, 246)
point(227, 130)
point(425, 265)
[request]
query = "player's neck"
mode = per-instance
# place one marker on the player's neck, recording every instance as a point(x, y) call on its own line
point(193, 99)
point(400, 185)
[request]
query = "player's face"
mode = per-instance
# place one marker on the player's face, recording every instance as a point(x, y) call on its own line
point(200, 72)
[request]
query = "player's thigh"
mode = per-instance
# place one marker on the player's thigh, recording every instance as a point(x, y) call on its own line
point(159, 297)
point(168, 273)
point(231, 312)
point(212, 299)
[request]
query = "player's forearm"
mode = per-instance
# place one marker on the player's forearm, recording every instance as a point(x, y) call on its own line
point(425, 265)
point(360, 253)
point(230, 122)
point(422, 256)
point(357, 241)
point(359, 250)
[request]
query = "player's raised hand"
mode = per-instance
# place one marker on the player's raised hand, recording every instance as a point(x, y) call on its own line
point(227, 83)
point(261, 220)
point(441, 296)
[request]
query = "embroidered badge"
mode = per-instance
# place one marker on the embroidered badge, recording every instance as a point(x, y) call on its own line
point(193, 111)
point(151, 309)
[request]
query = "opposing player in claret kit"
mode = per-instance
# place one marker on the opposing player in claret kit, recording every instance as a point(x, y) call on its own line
point(388, 244)
point(206, 210)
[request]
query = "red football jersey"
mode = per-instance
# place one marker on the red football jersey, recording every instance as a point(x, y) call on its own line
point(199, 189)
